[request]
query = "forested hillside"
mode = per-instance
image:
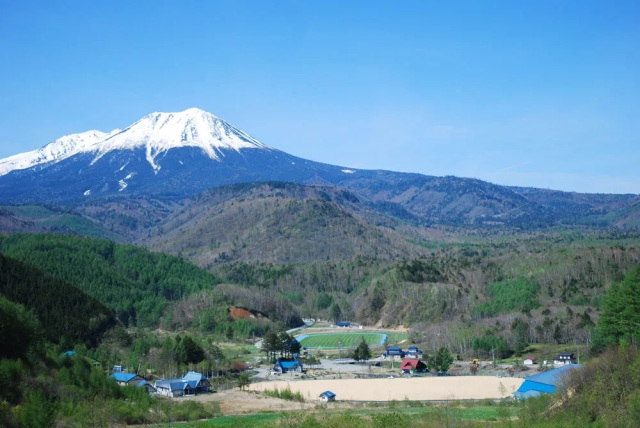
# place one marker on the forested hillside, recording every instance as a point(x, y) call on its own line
point(287, 250)
point(140, 286)
point(545, 288)
point(278, 223)
point(136, 283)
point(66, 313)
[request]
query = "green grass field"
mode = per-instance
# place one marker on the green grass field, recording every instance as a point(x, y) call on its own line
point(340, 340)
point(394, 414)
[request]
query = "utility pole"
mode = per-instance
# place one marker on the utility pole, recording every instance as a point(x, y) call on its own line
point(493, 356)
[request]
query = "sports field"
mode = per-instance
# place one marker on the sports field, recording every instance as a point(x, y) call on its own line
point(340, 340)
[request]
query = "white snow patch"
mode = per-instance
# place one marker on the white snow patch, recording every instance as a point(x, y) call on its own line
point(87, 193)
point(293, 163)
point(181, 163)
point(123, 185)
point(131, 174)
point(348, 171)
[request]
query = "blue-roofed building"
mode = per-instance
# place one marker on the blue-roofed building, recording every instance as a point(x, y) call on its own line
point(190, 384)
point(124, 378)
point(343, 324)
point(548, 382)
point(283, 366)
point(394, 351)
point(413, 352)
point(133, 379)
point(327, 396)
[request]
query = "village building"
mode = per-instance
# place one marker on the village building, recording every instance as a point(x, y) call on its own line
point(345, 324)
point(413, 352)
point(190, 384)
point(529, 361)
point(412, 365)
point(563, 359)
point(283, 366)
point(327, 396)
point(548, 382)
point(124, 379)
point(393, 352)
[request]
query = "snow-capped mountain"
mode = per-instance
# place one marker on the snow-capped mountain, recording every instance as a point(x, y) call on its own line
point(162, 153)
point(156, 133)
point(176, 156)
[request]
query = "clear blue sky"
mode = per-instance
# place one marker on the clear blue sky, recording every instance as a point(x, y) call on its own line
point(528, 93)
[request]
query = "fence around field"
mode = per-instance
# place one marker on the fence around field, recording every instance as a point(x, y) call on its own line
point(340, 340)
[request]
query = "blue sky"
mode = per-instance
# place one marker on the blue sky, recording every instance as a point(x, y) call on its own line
point(541, 94)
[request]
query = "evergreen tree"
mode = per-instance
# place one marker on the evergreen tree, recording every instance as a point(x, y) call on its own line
point(620, 318)
point(336, 313)
point(441, 360)
point(521, 333)
point(362, 352)
point(270, 345)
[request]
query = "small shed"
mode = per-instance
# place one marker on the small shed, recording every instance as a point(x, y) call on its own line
point(343, 324)
point(529, 361)
point(327, 396)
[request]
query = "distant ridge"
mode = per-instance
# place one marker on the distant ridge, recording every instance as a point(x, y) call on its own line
point(176, 156)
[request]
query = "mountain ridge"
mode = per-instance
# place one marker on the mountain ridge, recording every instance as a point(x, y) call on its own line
point(177, 156)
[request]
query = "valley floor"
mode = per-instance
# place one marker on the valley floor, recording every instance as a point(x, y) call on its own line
point(235, 402)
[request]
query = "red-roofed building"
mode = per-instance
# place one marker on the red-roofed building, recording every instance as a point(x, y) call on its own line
point(410, 365)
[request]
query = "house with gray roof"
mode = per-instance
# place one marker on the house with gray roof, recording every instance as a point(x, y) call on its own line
point(190, 384)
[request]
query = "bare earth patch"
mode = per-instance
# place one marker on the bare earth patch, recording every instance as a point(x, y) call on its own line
point(419, 389)
point(235, 402)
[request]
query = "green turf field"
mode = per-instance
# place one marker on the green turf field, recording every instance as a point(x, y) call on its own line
point(340, 340)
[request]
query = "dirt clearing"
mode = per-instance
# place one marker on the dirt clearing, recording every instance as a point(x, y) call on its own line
point(419, 389)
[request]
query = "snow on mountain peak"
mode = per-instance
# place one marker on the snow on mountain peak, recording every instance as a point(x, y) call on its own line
point(57, 150)
point(156, 132)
